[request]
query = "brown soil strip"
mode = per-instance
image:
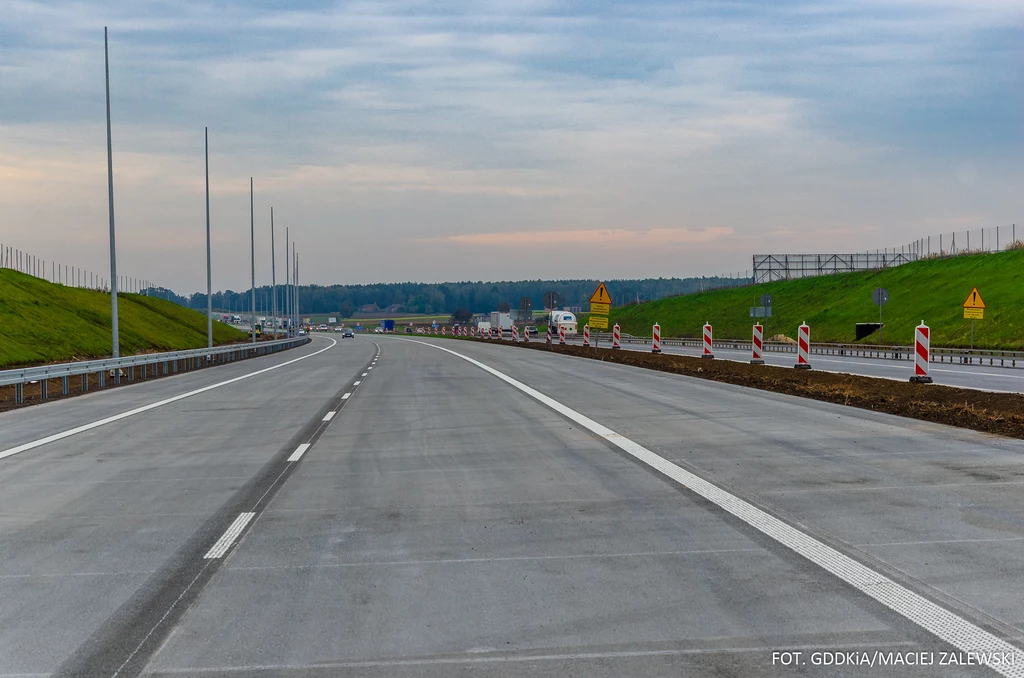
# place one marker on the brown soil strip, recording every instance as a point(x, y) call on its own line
point(1000, 413)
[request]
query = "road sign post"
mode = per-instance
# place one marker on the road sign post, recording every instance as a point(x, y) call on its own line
point(600, 307)
point(974, 308)
point(880, 297)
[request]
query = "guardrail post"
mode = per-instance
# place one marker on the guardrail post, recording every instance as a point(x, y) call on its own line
point(19, 394)
point(64, 386)
point(103, 378)
point(42, 388)
point(85, 383)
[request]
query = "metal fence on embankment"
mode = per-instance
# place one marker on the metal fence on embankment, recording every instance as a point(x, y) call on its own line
point(135, 367)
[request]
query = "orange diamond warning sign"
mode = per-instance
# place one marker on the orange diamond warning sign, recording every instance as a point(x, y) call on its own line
point(600, 295)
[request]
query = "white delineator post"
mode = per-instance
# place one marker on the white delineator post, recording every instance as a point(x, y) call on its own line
point(561, 335)
point(708, 342)
point(615, 336)
point(586, 335)
point(922, 354)
point(803, 347)
point(656, 338)
point(757, 346)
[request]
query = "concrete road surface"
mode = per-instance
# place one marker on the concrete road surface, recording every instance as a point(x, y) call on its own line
point(453, 509)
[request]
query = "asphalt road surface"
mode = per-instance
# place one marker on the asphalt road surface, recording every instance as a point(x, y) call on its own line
point(437, 508)
point(982, 377)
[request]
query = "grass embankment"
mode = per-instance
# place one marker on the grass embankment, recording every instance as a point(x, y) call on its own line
point(41, 322)
point(933, 290)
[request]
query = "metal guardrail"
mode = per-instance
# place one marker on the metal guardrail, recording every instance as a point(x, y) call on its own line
point(148, 364)
point(964, 356)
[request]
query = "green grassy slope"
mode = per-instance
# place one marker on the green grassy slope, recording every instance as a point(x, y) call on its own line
point(932, 290)
point(41, 322)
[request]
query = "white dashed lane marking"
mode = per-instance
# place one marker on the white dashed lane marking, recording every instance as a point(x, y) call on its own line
point(229, 536)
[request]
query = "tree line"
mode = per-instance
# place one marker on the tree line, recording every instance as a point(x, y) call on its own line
point(446, 298)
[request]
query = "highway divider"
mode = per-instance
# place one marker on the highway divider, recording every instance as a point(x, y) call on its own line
point(991, 412)
point(96, 373)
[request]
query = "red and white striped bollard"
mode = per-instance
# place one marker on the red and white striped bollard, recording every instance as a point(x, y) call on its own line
point(549, 334)
point(922, 354)
point(561, 335)
point(708, 342)
point(803, 347)
point(757, 346)
point(656, 338)
point(586, 335)
point(526, 334)
point(515, 333)
point(615, 336)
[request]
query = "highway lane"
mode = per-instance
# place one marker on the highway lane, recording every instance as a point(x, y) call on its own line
point(449, 524)
point(989, 378)
point(95, 521)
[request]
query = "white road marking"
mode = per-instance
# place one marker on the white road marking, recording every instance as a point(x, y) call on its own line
point(370, 367)
point(346, 396)
point(364, 374)
point(356, 383)
point(937, 620)
point(299, 451)
point(146, 408)
point(229, 536)
point(329, 416)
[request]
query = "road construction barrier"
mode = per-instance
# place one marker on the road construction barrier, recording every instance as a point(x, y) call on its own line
point(708, 343)
point(656, 339)
point(444, 331)
point(549, 334)
point(922, 354)
point(757, 346)
point(472, 332)
point(803, 347)
point(586, 335)
point(515, 333)
point(616, 337)
point(526, 335)
point(561, 335)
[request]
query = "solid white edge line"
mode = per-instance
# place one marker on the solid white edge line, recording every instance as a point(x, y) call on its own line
point(329, 416)
point(940, 622)
point(229, 536)
point(299, 451)
point(152, 406)
point(346, 396)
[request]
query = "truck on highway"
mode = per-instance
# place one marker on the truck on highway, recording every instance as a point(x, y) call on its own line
point(387, 325)
point(501, 321)
point(560, 319)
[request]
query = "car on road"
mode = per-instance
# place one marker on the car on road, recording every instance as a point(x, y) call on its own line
point(532, 329)
point(347, 333)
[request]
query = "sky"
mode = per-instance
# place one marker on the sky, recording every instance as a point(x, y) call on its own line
point(441, 140)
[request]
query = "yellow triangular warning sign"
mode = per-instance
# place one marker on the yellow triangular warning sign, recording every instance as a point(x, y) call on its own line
point(974, 300)
point(600, 295)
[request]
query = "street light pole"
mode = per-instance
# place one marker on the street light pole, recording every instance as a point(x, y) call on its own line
point(273, 271)
point(115, 337)
point(209, 277)
point(287, 281)
point(252, 254)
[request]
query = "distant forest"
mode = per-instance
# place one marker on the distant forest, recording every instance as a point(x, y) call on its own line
point(446, 298)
